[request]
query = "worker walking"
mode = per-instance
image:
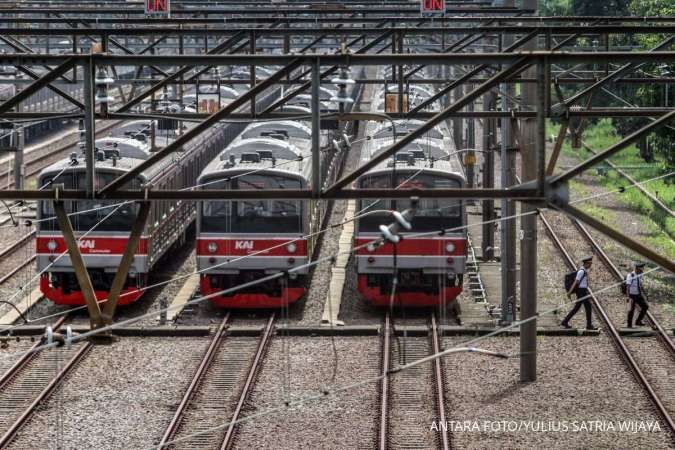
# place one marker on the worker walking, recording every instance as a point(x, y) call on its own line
point(635, 293)
point(580, 288)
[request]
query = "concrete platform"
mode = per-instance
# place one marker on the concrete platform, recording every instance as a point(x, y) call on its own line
point(23, 306)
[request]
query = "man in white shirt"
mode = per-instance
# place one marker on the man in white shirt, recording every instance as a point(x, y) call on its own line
point(635, 292)
point(580, 288)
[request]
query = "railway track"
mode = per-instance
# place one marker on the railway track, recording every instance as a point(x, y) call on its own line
point(413, 398)
point(31, 380)
point(651, 363)
point(219, 390)
point(47, 156)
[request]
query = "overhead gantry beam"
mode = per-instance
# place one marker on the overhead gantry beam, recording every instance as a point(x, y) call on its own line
point(515, 68)
point(36, 85)
point(201, 127)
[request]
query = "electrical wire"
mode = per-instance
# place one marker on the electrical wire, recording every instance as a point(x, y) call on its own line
point(468, 346)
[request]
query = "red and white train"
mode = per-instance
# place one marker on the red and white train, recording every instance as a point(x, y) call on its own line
point(243, 240)
point(103, 227)
point(429, 267)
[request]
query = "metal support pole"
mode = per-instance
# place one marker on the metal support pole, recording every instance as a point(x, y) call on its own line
point(400, 75)
point(488, 241)
point(252, 73)
point(531, 134)
point(125, 263)
point(18, 158)
point(508, 207)
point(316, 129)
point(89, 126)
point(470, 143)
point(78, 265)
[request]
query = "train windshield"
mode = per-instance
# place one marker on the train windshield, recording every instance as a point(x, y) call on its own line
point(94, 215)
point(432, 213)
point(253, 216)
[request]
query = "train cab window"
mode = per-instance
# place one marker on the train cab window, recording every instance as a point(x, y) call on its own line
point(96, 215)
point(254, 216)
point(432, 213)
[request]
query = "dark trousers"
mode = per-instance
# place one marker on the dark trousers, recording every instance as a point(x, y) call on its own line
point(640, 301)
point(581, 292)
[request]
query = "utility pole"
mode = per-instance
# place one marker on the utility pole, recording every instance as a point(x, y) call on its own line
point(508, 207)
point(488, 144)
point(531, 155)
point(20, 142)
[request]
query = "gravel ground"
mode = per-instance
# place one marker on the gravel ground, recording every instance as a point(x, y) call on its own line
point(660, 285)
point(347, 421)
point(121, 396)
point(579, 379)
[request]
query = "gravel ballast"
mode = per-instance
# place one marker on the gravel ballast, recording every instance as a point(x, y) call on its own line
point(346, 421)
point(579, 379)
point(121, 396)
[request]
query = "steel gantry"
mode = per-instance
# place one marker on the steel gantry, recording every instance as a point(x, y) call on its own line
point(490, 50)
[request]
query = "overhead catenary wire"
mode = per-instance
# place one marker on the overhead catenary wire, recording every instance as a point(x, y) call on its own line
point(468, 346)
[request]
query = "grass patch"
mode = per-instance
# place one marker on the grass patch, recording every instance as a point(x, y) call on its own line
point(659, 225)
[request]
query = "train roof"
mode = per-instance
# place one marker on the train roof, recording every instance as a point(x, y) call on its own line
point(293, 129)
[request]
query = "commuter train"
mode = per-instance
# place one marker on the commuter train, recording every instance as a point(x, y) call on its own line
point(429, 267)
point(243, 240)
point(103, 226)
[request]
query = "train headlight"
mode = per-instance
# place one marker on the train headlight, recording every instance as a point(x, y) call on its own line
point(370, 247)
point(450, 247)
point(291, 247)
point(51, 245)
point(212, 247)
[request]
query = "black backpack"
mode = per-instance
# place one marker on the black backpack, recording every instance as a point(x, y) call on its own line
point(569, 279)
point(623, 287)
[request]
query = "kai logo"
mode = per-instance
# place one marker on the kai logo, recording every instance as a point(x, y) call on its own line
point(243, 245)
point(87, 243)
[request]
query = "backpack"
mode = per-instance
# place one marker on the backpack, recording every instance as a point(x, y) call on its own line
point(623, 287)
point(569, 279)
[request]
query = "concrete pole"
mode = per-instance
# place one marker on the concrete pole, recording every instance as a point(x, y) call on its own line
point(530, 157)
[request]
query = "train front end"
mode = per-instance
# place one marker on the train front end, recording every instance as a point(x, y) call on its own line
point(244, 241)
point(102, 229)
point(429, 260)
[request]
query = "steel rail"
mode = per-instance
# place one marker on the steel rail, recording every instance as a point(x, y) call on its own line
point(44, 394)
point(12, 248)
point(633, 182)
point(51, 153)
point(196, 381)
point(616, 338)
point(228, 440)
point(438, 375)
point(12, 272)
point(27, 356)
point(663, 335)
point(384, 383)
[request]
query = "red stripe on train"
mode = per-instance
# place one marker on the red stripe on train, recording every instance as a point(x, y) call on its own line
point(241, 247)
point(98, 245)
point(415, 246)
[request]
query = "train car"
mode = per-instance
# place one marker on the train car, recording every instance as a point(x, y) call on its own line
point(429, 268)
point(107, 224)
point(240, 241)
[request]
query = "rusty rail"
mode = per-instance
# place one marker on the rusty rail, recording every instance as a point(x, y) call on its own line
point(663, 335)
point(250, 381)
point(438, 374)
point(172, 429)
point(9, 435)
point(384, 384)
point(616, 338)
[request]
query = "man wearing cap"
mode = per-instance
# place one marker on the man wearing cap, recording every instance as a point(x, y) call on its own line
point(580, 287)
point(634, 290)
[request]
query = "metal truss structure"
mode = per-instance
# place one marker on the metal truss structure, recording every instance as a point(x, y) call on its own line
point(483, 50)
